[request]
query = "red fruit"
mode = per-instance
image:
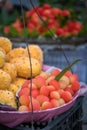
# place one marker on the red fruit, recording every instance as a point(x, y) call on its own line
point(68, 74)
point(66, 96)
point(28, 14)
point(6, 29)
point(44, 91)
point(26, 83)
point(24, 100)
point(55, 72)
point(35, 104)
point(46, 105)
point(40, 10)
point(17, 25)
point(32, 85)
point(23, 108)
point(56, 11)
point(51, 88)
point(47, 13)
point(54, 102)
point(74, 32)
point(54, 94)
point(46, 6)
point(73, 78)
point(59, 32)
point(69, 89)
point(39, 81)
point(35, 93)
point(24, 91)
point(65, 13)
point(49, 78)
point(75, 86)
point(55, 84)
point(42, 98)
point(60, 91)
point(30, 26)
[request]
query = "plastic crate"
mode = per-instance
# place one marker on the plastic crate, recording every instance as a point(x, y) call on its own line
point(56, 58)
point(69, 120)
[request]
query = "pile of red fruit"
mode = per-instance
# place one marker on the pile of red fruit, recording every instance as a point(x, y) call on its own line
point(48, 93)
point(56, 19)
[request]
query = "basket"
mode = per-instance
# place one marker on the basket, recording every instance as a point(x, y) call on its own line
point(69, 120)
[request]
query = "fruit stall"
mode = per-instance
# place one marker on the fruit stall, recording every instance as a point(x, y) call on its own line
point(42, 68)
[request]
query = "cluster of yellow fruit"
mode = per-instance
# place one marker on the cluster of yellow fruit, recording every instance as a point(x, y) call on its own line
point(15, 68)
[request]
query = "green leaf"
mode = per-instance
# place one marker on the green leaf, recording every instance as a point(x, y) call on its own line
point(25, 32)
point(13, 32)
point(34, 34)
point(49, 34)
point(66, 69)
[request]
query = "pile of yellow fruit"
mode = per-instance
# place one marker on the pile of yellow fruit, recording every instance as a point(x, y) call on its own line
point(15, 68)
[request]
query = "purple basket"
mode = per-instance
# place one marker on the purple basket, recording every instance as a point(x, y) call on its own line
point(14, 118)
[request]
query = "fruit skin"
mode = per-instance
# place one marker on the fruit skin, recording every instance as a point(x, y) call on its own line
point(44, 74)
point(24, 91)
point(44, 90)
point(18, 81)
point(39, 81)
point(23, 66)
point(35, 93)
point(66, 96)
point(7, 97)
point(5, 80)
point(64, 82)
point(46, 105)
point(13, 88)
point(42, 98)
point(36, 52)
point(69, 89)
point(73, 77)
point(54, 102)
point(24, 100)
point(61, 101)
point(55, 95)
point(55, 72)
point(16, 52)
point(6, 44)
point(55, 84)
point(51, 88)
point(23, 108)
point(2, 59)
point(35, 104)
point(75, 86)
point(10, 69)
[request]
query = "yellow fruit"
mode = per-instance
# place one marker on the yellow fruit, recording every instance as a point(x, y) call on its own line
point(16, 52)
point(24, 69)
point(5, 80)
point(6, 44)
point(64, 82)
point(10, 69)
point(1, 49)
point(13, 88)
point(8, 98)
point(36, 52)
point(19, 82)
point(2, 58)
